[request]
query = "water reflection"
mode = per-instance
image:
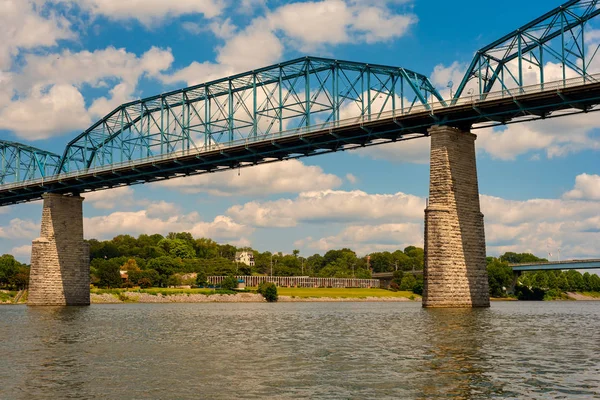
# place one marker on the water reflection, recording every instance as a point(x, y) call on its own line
point(56, 341)
point(454, 364)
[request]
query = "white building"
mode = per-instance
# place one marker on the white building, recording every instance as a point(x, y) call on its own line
point(245, 257)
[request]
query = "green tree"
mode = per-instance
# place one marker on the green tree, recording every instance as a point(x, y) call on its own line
point(229, 283)
point(201, 279)
point(206, 248)
point(408, 282)
point(108, 274)
point(269, 291)
point(500, 276)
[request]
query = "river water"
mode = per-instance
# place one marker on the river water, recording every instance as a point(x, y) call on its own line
point(547, 350)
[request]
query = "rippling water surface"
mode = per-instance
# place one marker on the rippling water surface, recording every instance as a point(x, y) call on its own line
point(301, 350)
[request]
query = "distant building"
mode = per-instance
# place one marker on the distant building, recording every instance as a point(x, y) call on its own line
point(245, 257)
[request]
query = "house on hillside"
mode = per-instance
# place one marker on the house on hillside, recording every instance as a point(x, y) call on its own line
point(245, 257)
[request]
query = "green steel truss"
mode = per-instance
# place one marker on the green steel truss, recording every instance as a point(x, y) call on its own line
point(556, 46)
point(339, 103)
point(250, 106)
point(19, 162)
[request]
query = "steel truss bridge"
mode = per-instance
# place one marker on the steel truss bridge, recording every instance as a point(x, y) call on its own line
point(309, 106)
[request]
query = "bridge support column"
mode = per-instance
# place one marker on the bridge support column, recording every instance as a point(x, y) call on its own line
point(60, 267)
point(455, 264)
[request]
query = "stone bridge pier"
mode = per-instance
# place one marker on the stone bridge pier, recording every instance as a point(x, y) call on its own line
point(60, 262)
point(455, 265)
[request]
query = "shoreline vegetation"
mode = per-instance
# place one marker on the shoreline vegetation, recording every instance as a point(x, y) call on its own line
point(154, 295)
point(178, 260)
point(286, 295)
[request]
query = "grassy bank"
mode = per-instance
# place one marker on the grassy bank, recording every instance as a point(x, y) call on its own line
point(595, 295)
point(161, 291)
point(7, 296)
point(353, 293)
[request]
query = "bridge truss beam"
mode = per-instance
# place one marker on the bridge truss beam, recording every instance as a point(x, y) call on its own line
point(248, 106)
point(556, 46)
point(19, 162)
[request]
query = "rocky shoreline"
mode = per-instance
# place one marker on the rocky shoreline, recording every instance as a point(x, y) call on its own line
point(136, 297)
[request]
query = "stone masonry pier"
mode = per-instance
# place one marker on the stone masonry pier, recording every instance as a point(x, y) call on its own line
point(60, 268)
point(455, 265)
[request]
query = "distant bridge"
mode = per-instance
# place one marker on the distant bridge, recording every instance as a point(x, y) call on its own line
point(556, 265)
point(310, 106)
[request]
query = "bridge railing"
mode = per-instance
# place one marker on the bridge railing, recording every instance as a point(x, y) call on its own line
point(467, 99)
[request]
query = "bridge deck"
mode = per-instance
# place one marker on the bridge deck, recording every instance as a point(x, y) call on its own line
point(558, 265)
point(340, 135)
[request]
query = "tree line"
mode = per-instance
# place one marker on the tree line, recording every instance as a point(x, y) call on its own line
point(536, 285)
point(156, 260)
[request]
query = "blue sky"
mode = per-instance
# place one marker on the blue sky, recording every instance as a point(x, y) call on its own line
point(64, 64)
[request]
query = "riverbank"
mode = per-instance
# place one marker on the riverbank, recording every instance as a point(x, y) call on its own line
point(285, 295)
point(160, 295)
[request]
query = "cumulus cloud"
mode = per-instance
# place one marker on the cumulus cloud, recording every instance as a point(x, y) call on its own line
point(20, 229)
point(329, 206)
point(549, 136)
point(291, 176)
point(48, 100)
point(22, 26)
point(45, 114)
point(586, 187)
point(303, 26)
point(22, 252)
point(111, 198)
point(149, 12)
point(162, 218)
point(370, 238)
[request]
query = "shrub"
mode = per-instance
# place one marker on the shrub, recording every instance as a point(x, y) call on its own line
point(201, 279)
point(229, 283)
point(145, 283)
point(418, 288)
point(408, 282)
point(394, 286)
point(268, 291)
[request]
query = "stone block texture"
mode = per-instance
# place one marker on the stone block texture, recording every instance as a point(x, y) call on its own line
point(455, 265)
point(60, 267)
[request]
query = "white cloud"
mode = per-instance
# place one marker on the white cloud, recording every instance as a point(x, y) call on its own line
point(291, 176)
point(318, 23)
point(22, 252)
point(111, 198)
point(197, 73)
point(22, 26)
point(508, 142)
point(329, 206)
point(20, 229)
point(300, 26)
point(255, 47)
point(45, 114)
point(352, 179)
point(542, 225)
point(157, 218)
point(586, 187)
point(370, 238)
point(49, 102)
point(150, 12)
